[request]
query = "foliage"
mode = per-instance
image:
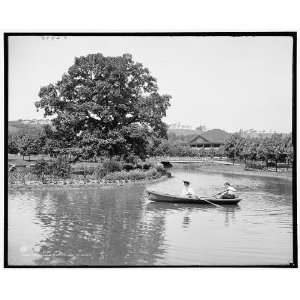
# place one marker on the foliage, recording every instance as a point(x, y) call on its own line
point(166, 148)
point(12, 145)
point(254, 165)
point(59, 167)
point(28, 145)
point(274, 148)
point(115, 169)
point(41, 167)
point(160, 168)
point(112, 165)
point(106, 103)
point(234, 146)
point(289, 148)
point(56, 141)
point(107, 167)
point(271, 149)
point(128, 166)
point(131, 159)
point(133, 175)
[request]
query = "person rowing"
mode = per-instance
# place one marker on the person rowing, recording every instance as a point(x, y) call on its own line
point(187, 190)
point(228, 193)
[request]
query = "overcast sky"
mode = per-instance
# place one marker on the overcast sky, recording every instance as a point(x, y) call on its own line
point(220, 82)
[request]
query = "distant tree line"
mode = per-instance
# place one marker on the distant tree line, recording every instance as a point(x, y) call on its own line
point(256, 152)
point(263, 151)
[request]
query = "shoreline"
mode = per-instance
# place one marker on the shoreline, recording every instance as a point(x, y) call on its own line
point(239, 170)
point(210, 167)
point(61, 185)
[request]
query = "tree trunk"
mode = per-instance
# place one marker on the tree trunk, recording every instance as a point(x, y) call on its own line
point(276, 165)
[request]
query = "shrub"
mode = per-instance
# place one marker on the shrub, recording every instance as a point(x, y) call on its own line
point(107, 167)
point(136, 175)
point(132, 175)
point(160, 168)
point(128, 166)
point(152, 173)
point(99, 172)
point(112, 165)
point(60, 167)
point(147, 166)
point(83, 170)
point(165, 148)
point(140, 166)
point(254, 165)
point(132, 159)
point(19, 175)
point(123, 175)
point(12, 145)
point(41, 167)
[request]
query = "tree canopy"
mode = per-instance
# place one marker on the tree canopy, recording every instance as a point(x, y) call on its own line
point(106, 103)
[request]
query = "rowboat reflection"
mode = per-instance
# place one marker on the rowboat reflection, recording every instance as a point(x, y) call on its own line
point(228, 211)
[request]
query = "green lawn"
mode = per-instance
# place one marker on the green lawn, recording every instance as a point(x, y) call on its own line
point(18, 160)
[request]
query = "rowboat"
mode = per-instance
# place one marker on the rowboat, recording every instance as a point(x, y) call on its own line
point(163, 197)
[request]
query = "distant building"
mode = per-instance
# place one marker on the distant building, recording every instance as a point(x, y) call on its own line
point(213, 138)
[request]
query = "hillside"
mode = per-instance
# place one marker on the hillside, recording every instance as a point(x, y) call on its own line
point(182, 131)
point(175, 135)
point(30, 127)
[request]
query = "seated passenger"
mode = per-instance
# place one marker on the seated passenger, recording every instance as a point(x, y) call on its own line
point(187, 190)
point(228, 193)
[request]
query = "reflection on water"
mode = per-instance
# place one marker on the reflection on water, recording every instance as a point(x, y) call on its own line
point(119, 226)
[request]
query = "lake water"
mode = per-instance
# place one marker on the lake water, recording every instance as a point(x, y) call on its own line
point(119, 226)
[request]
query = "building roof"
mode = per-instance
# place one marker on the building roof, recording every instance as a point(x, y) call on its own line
point(213, 136)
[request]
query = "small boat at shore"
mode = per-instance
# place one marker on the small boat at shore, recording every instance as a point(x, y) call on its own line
point(164, 197)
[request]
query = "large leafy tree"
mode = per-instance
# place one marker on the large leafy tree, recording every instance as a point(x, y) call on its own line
point(107, 103)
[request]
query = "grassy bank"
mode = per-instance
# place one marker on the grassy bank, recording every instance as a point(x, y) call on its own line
point(61, 172)
point(78, 184)
point(122, 177)
point(240, 170)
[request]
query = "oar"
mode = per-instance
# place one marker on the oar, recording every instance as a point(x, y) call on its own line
point(217, 205)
